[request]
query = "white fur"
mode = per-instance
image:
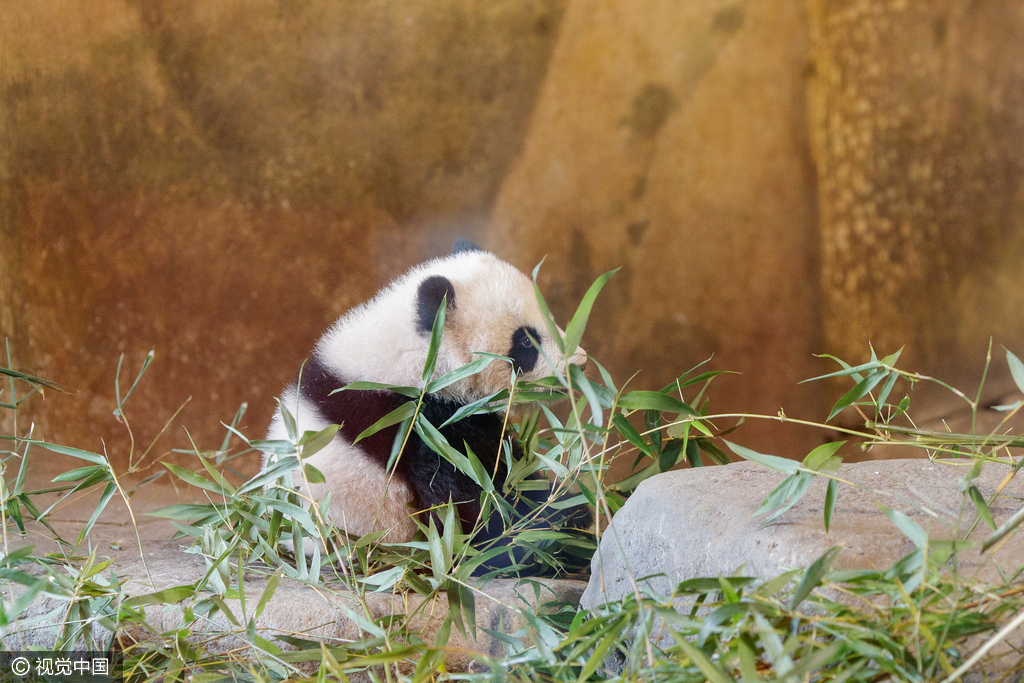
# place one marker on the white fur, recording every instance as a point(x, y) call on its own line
point(378, 341)
point(362, 499)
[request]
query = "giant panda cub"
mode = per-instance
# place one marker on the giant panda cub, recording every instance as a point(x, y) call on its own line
point(491, 307)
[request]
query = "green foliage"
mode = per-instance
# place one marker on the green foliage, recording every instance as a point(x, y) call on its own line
point(908, 622)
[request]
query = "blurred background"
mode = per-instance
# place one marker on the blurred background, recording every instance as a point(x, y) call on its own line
point(220, 181)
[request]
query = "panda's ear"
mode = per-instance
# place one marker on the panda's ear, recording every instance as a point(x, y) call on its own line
point(465, 245)
point(428, 299)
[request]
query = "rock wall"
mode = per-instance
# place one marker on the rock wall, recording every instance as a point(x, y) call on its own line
point(218, 183)
point(672, 141)
point(917, 112)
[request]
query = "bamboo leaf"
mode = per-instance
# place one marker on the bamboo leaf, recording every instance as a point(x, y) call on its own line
point(705, 585)
point(584, 385)
point(655, 400)
point(891, 359)
point(108, 491)
point(437, 443)
point(858, 392)
point(477, 407)
point(402, 412)
point(411, 392)
point(692, 454)
point(819, 660)
point(274, 446)
point(886, 390)
point(194, 479)
point(597, 657)
point(313, 475)
point(821, 457)
point(313, 442)
point(714, 452)
point(226, 487)
point(289, 421)
point(168, 596)
point(549, 320)
point(435, 339)
point(778, 495)
point(705, 376)
point(94, 458)
point(908, 526)
point(981, 506)
point(813, 575)
point(830, 501)
point(846, 371)
point(669, 455)
point(183, 511)
point(117, 382)
point(437, 565)
point(801, 481)
point(81, 473)
point(458, 374)
point(275, 471)
point(297, 514)
point(710, 671)
point(448, 534)
point(32, 379)
point(784, 465)
point(363, 622)
point(1008, 526)
point(534, 535)
point(234, 424)
point(1016, 369)
point(605, 377)
point(632, 435)
point(19, 481)
point(574, 330)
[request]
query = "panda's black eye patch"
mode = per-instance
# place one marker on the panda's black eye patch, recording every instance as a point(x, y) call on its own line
point(522, 351)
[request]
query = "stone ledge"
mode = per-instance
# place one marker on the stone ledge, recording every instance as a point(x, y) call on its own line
point(296, 608)
point(316, 612)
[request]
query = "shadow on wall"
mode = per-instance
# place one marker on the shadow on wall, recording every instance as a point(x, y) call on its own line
point(219, 183)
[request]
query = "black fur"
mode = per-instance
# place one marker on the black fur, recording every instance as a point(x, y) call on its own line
point(465, 245)
point(353, 410)
point(522, 351)
point(428, 299)
point(433, 479)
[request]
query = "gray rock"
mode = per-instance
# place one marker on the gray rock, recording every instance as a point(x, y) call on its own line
point(700, 523)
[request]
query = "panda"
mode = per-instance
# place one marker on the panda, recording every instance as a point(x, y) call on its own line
point(491, 307)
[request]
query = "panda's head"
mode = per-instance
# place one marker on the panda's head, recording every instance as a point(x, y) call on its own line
point(491, 307)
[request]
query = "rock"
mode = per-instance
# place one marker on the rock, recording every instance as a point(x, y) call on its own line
point(221, 184)
point(700, 523)
point(314, 611)
point(916, 113)
point(306, 611)
point(671, 140)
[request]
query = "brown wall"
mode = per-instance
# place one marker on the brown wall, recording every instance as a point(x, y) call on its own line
point(218, 182)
